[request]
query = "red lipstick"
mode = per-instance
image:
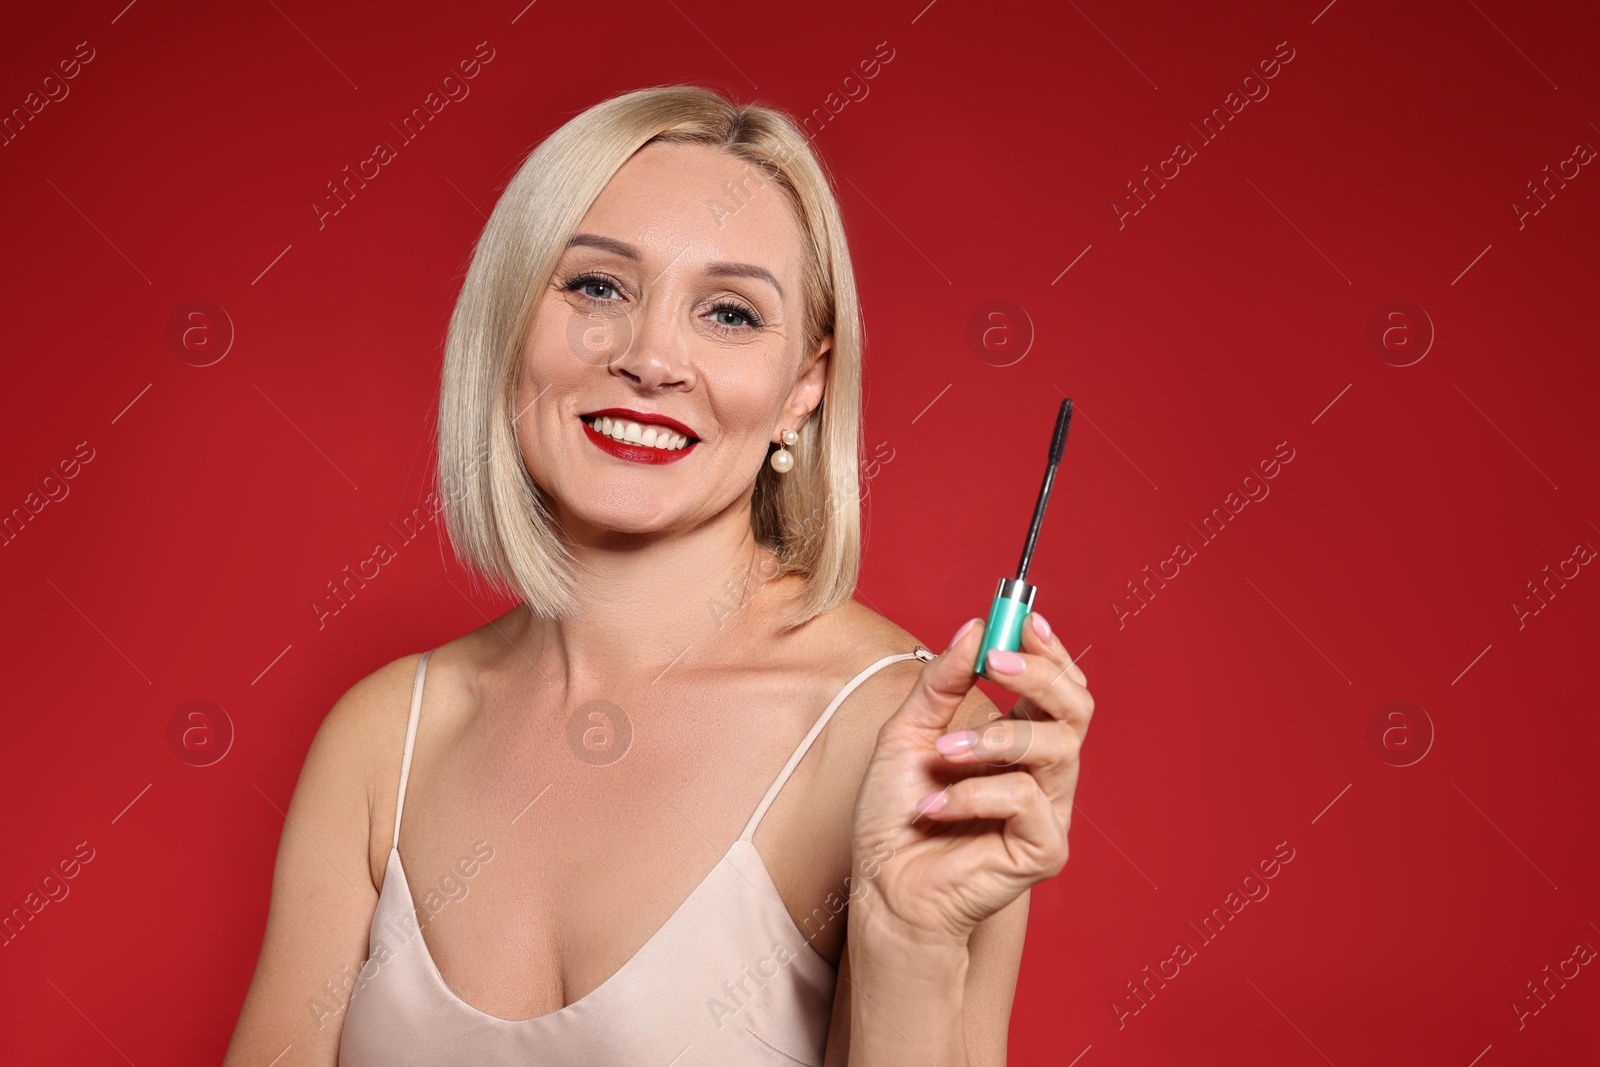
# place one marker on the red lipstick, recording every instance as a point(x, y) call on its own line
point(638, 453)
point(643, 418)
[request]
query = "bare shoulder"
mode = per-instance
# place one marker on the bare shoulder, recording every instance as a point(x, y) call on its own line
point(860, 636)
point(321, 907)
point(367, 726)
point(367, 710)
point(360, 743)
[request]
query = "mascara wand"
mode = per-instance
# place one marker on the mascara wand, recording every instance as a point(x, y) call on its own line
point(1013, 600)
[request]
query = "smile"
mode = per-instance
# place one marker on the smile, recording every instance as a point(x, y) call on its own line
point(639, 442)
point(633, 433)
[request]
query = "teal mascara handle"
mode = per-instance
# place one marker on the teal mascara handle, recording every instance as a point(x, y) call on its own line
point(1013, 600)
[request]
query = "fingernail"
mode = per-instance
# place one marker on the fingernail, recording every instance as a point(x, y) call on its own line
point(960, 741)
point(1040, 627)
point(1006, 662)
point(932, 803)
point(969, 624)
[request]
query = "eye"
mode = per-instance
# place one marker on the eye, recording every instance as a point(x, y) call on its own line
point(584, 283)
point(744, 318)
point(728, 316)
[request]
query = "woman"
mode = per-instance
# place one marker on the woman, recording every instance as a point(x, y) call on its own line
point(649, 435)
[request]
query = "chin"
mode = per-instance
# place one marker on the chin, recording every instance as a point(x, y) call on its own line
point(623, 519)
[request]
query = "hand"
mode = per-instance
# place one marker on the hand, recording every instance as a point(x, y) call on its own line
point(949, 839)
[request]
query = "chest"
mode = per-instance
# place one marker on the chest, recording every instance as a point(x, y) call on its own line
point(543, 852)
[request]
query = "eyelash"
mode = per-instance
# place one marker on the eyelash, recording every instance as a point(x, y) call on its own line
point(582, 280)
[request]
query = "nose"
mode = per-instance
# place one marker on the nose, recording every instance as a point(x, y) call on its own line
point(651, 345)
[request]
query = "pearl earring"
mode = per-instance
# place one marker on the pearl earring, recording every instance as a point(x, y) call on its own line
point(783, 459)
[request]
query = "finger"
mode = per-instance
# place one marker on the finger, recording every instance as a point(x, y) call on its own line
point(1045, 688)
point(1005, 742)
point(1049, 751)
point(943, 684)
point(1049, 645)
point(1015, 798)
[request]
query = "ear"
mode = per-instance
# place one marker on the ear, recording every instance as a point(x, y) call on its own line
point(807, 392)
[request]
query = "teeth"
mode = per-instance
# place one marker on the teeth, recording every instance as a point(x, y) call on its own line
point(635, 434)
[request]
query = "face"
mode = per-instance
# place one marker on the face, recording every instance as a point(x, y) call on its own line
point(682, 304)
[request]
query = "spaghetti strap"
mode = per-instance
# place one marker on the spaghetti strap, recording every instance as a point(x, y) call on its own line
point(816, 728)
point(411, 740)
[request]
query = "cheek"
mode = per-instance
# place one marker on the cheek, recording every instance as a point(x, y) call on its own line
point(542, 351)
point(545, 375)
point(579, 335)
point(743, 404)
point(588, 340)
point(546, 369)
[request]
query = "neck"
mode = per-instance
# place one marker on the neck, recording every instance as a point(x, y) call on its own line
point(651, 604)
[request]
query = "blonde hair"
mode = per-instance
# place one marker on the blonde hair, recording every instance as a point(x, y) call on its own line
point(499, 520)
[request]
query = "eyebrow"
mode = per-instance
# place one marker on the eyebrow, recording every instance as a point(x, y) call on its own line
point(716, 270)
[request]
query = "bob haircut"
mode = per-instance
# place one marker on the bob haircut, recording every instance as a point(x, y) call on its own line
point(498, 519)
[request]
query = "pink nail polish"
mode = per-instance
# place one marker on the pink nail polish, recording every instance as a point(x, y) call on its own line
point(1040, 627)
point(1006, 662)
point(932, 803)
point(960, 741)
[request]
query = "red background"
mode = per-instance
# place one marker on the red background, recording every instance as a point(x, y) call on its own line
point(1227, 316)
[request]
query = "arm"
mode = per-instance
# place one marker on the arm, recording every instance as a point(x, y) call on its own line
point(926, 1006)
point(971, 820)
point(323, 896)
point(891, 1032)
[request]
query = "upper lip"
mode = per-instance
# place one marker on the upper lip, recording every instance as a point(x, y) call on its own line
point(644, 418)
